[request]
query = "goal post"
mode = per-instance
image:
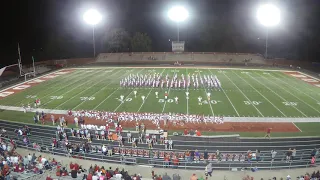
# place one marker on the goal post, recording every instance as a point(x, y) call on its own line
point(61, 62)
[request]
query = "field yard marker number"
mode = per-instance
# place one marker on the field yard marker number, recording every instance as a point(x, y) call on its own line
point(290, 103)
point(223, 72)
point(245, 72)
point(87, 98)
point(56, 97)
point(212, 102)
point(151, 71)
point(162, 101)
point(128, 99)
point(175, 71)
point(252, 102)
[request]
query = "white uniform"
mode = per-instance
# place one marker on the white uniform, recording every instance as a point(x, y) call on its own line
point(135, 93)
point(143, 97)
point(121, 98)
point(156, 94)
point(187, 94)
point(176, 99)
point(208, 94)
point(200, 100)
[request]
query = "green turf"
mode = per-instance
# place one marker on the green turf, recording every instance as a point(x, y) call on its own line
point(246, 93)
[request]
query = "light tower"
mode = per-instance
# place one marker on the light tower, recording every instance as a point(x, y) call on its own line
point(269, 16)
point(178, 14)
point(92, 17)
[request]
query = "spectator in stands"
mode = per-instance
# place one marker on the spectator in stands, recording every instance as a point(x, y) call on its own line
point(95, 176)
point(175, 162)
point(273, 154)
point(74, 173)
point(314, 152)
point(258, 154)
point(205, 155)
point(185, 132)
point(193, 177)
point(187, 155)
point(49, 178)
point(166, 161)
point(166, 177)
point(198, 133)
point(293, 155)
point(196, 156)
point(288, 155)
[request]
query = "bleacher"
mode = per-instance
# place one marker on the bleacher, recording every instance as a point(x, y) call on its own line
point(168, 57)
point(231, 152)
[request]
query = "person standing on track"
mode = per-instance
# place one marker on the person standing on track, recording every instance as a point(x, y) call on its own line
point(268, 133)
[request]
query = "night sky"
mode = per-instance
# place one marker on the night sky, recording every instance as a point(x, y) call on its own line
point(231, 24)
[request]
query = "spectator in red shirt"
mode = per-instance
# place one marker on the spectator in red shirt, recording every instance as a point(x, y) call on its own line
point(49, 178)
point(54, 162)
point(185, 132)
point(198, 133)
point(76, 167)
point(96, 168)
point(71, 165)
point(89, 177)
point(175, 162)
point(108, 175)
point(268, 133)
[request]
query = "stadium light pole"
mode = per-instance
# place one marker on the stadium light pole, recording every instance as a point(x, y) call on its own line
point(269, 16)
point(92, 17)
point(178, 14)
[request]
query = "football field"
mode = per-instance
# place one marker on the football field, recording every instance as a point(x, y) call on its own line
point(244, 93)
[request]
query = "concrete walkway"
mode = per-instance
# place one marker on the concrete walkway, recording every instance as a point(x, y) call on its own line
point(145, 171)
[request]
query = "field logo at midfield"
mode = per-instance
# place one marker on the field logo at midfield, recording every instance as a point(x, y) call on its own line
point(22, 86)
point(304, 77)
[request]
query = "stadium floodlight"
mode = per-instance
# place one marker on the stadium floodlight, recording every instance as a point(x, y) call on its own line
point(269, 16)
point(92, 17)
point(178, 14)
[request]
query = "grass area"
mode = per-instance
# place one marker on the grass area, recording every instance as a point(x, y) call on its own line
point(244, 93)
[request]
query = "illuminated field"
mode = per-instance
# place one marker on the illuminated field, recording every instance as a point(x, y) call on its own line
point(245, 93)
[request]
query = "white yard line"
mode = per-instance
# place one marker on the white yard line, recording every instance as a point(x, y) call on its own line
point(295, 88)
point(69, 89)
point(188, 96)
point(50, 92)
point(260, 94)
point(127, 95)
point(294, 96)
point(99, 90)
point(296, 126)
point(244, 95)
point(205, 90)
point(277, 94)
point(228, 98)
point(101, 75)
point(165, 102)
point(148, 94)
